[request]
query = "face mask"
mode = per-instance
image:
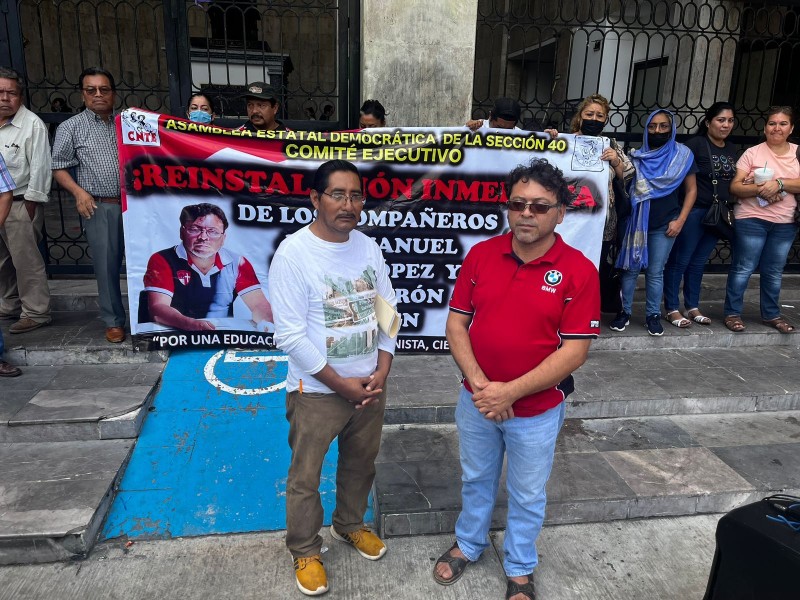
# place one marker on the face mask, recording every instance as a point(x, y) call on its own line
point(592, 127)
point(656, 140)
point(200, 116)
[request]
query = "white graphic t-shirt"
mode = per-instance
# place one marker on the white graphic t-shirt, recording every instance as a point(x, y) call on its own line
point(323, 299)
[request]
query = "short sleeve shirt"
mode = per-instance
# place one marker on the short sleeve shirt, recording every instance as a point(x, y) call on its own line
point(171, 272)
point(89, 144)
point(785, 166)
point(521, 312)
point(722, 163)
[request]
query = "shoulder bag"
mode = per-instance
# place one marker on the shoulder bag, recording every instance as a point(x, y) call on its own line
point(622, 199)
point(797, 206)
point(719, 217)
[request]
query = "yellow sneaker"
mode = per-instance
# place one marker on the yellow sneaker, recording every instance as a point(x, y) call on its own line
point(367, 543)
point(310, 575)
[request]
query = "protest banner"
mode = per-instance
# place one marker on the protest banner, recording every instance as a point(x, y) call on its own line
point(432, 193)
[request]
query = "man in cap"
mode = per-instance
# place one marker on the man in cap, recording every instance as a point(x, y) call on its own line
point(262, 107)
point(504, 115)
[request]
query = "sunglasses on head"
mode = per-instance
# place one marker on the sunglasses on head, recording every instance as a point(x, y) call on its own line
point(539, 208)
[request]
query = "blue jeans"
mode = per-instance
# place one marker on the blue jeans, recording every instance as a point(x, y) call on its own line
point(764, 245)
point(687, 261)
point(529, 443)
point(658, 248)
point(2, 345)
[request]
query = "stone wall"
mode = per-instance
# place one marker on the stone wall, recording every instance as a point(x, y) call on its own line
point(418, 59)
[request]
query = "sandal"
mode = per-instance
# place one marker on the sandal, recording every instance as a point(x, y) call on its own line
point(679, 321)
point(780, 324)
point(695, 315)
point(513, 588)
point(734, 323)
point(457, 566)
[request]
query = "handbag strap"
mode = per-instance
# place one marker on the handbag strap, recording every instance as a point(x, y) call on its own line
point(714, 174)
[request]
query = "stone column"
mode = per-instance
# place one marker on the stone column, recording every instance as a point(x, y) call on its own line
point(418, 59)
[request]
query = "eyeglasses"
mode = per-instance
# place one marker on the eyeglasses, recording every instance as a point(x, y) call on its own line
point(535, 207)
point(652, 127)
point(92, 91)
point(212, 234)
point(341, 197)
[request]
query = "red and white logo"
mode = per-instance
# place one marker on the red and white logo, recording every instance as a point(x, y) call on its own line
point(140, 128)
point(184, 277)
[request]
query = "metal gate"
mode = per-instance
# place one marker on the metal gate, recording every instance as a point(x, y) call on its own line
point(162, 51)
point(640, 54)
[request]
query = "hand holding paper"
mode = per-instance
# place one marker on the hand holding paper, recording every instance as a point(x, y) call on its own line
point(388, 317)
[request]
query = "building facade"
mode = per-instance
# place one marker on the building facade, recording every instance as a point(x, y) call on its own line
point(429, 63)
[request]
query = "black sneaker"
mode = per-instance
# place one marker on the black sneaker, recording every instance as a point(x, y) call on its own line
point(620, 322)
point(654, 326)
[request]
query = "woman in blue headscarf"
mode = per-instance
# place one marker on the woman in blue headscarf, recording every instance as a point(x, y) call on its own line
point(658, 214)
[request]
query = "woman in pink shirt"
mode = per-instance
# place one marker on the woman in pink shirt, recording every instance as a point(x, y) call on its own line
point(765, 228)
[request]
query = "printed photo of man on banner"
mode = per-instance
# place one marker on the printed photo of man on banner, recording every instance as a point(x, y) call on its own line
point(205, 208)
point(192, 286)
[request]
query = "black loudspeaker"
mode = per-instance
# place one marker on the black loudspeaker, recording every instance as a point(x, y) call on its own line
point(758, 554)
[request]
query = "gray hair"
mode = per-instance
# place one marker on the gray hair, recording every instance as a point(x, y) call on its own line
point(6, 73)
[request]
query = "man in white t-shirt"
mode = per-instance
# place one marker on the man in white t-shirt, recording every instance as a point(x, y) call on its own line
point(323, 283)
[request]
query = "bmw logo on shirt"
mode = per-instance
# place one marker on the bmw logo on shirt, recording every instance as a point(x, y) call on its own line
point(553, 277)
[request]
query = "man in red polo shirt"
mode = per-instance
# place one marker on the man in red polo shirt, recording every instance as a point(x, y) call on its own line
point(187, 285)
point(523, 313)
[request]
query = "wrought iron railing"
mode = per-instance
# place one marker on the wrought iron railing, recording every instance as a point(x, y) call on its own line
point(640, 54)
point(163, 51)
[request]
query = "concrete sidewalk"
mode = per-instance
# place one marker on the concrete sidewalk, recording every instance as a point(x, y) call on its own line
point(657, 559)
point(655, 387)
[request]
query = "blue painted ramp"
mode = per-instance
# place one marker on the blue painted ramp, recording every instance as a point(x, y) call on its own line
point(213, 454)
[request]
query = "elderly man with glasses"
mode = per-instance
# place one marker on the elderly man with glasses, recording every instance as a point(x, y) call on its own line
point(324, 283)
point(87, 143)
point(524, 310)
point(190, 285)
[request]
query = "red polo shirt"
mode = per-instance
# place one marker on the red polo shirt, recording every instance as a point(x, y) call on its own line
point(521, 311)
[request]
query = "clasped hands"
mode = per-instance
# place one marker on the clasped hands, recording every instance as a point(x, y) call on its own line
point(769, 191)
point(363, 391)
point(493, 399)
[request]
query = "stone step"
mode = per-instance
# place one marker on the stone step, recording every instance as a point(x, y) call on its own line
point(66, 434)
point(604, 470)
point(72, 338)
point(716, 335)
point(54, 497)
point(79, 294)
point(619, 383)
point(77, 402)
